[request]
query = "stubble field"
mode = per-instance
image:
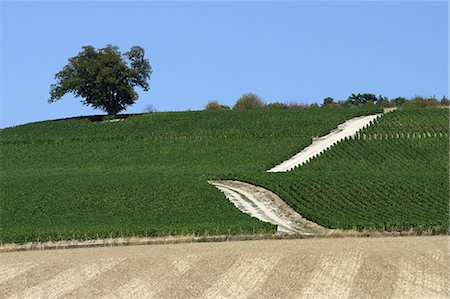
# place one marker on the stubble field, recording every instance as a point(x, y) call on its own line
point(403, 267)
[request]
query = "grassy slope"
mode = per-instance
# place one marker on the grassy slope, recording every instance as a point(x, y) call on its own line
point(146, 175)
point(394, 183)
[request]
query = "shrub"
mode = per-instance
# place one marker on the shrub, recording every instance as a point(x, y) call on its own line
point(328, 101)
point(399, 101)
point(296, 105)
point(214, 105)
point(387, 104)
point(249, 101)
point(362, 99)
point(276, 105)
point(337, 105)
point(421, 102)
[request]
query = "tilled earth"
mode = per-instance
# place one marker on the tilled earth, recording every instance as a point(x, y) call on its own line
point(401, 267)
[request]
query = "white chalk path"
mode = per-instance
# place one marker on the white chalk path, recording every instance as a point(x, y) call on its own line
point(266, 206)
point(319, 145)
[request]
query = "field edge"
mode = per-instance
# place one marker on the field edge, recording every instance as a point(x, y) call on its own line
point(178, 239)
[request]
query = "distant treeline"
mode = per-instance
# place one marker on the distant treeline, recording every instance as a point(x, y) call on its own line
point(253, 101)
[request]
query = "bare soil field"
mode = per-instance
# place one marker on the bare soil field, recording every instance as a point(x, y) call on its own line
point(402, 267)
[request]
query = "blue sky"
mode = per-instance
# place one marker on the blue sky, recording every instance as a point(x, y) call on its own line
point(201, 51)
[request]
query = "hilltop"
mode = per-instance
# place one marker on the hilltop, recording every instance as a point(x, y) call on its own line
point(147, 175)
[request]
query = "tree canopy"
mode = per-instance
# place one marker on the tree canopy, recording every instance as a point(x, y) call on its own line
point(104, 78)
point(363, 99)
point(249, 101)
point(327, 101)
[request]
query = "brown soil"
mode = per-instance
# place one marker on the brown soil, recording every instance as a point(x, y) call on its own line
point(403, 267)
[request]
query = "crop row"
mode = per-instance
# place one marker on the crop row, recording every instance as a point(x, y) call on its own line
point(392, 135)
point(347, 200)
point(193, 124)
point(147, 175)
point(382, 155)
point(411, 121)
point(141, 176)
point(102, 203)
point(374, 183)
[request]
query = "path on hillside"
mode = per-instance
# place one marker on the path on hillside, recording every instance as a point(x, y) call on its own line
point(266, 206)
point(269, 207)
point(406, 267)
point(347, 129)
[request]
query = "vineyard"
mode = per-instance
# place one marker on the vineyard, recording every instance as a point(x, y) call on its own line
point(145, 175)
point(393, 176)
point(411, 122)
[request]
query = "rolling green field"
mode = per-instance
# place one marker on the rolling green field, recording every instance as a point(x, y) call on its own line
point(147, 174)
point(397, 181)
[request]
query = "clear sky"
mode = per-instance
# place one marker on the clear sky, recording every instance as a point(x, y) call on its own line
point(201, 51)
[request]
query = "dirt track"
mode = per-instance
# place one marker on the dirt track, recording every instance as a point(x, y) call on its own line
point(403, 267)
point(319, 145)
point(266, 206)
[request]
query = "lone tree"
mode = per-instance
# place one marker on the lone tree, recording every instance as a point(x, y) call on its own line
point(104, 78)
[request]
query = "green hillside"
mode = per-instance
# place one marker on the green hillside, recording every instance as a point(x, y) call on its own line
point(145, 175)
point(393, 176)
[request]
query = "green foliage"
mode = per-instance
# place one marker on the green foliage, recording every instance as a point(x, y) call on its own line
point(145, 175)
point(109, 117)
point(421, 102)
point(214, 105)
point(411, 121)
point(393, 182)
point(104, 78)
point(296, 105)
point(290, 105)
point(362, 99)
point(327, 102)
point(249, 101)
point(399, 101)
point(276, 105)
point(369, 100)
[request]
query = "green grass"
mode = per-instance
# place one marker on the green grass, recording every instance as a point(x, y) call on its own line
point(392, 184)
point(146, 175)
